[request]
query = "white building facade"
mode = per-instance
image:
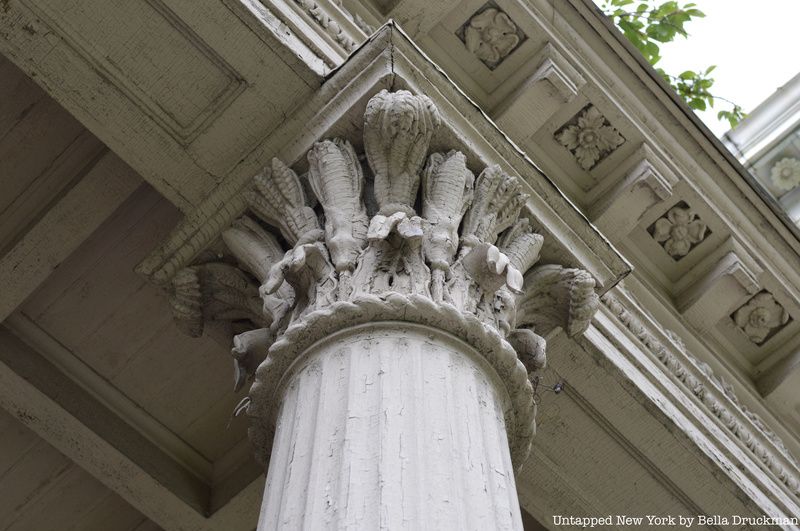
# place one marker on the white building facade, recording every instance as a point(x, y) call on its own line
point(467, 264)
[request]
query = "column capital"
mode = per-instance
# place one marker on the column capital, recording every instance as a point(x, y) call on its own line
point(391, 212)
point(428, 243)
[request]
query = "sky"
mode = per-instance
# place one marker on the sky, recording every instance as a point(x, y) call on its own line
point(755, 45)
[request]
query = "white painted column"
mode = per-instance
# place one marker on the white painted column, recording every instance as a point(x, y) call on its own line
point(391, 426)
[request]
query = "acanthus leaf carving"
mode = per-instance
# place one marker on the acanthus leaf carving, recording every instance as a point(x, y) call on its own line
point(521, 245)
point(255, 248)
point(186, 302)
point(214, 292)
point(558, 296)
point(447, 188)
point(393, 259)
point(491, 269)
point(337, 180)
point(497, 203)
point(249, 350)
point(258, 251)
point(530, 348)
point(308, 270)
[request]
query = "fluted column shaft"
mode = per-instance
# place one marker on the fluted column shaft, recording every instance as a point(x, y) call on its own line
point(391, 425)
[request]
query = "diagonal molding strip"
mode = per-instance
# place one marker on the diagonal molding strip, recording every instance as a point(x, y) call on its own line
point(75, 369)
point(61, 412)
point(63, 228)
point(756, 437)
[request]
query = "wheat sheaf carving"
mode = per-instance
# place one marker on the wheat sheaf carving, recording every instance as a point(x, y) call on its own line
point(398, 223)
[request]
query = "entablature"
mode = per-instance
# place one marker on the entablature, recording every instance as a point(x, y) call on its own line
point(577, 99)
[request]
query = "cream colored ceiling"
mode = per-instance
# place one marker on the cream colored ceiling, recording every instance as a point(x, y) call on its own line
point(41, 489)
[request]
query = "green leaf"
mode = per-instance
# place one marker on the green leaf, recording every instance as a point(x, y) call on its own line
point(646, 24)
point(698, 104)
point(651, 49)
point(661, 32)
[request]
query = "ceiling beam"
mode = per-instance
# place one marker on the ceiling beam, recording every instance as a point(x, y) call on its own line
point(80, 426)
point(63, 228)
point(74, 368)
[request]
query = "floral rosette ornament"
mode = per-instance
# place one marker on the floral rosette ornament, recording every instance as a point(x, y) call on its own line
point(785, 173)
point(678, 231)
point(491, 36)
point(591, 138)
point(760, 317)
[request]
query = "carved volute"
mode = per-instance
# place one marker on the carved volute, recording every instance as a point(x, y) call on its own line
point(443, 248)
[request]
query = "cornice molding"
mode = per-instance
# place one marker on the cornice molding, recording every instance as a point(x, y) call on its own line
point(713, 392)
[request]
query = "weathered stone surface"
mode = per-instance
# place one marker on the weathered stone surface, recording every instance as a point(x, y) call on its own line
point(393, 426)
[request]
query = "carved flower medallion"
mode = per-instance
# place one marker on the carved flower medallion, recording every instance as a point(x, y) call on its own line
point(591, 138)
point(678, 231)
point(785, 173)
point(761, 317)
point(491, 35)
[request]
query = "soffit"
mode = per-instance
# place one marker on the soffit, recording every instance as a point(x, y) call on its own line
point(120, 327)
point(181, 91)
point(34, 475)
point(43, 151)
point(124, 371)
point(98, 353)
point(98, 369)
